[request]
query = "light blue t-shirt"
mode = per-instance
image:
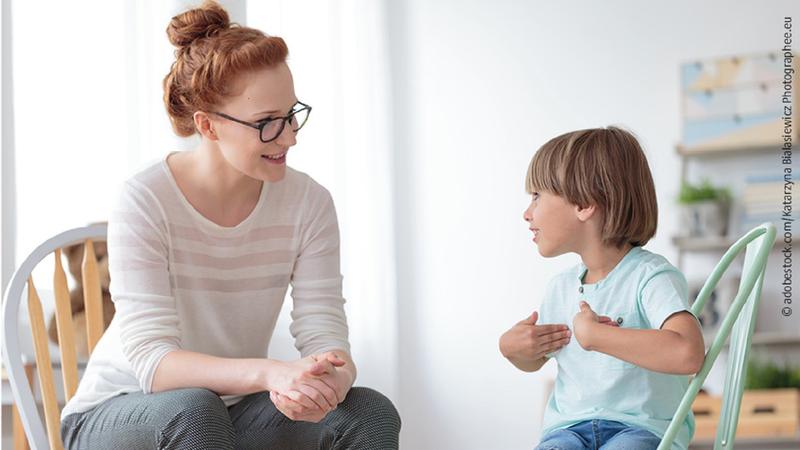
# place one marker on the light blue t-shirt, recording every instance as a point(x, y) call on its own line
point(641, 292)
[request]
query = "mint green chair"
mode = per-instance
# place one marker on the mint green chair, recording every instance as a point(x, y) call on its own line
point(738, 323)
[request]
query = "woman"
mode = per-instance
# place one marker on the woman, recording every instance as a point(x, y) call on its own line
point(202, 247)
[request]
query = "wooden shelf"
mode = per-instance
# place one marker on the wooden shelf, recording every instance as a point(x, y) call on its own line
point(775, 338)
point(702, 243)
point(765, 443)
point(727, 151)
point(763, 338)
point(709, 243)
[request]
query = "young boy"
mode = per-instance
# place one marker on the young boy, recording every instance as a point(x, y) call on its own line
point(621, 378)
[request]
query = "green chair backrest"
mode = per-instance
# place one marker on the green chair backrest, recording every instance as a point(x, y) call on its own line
point(740, 319)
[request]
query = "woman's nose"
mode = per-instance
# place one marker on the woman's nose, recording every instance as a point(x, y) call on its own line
point(287, 137)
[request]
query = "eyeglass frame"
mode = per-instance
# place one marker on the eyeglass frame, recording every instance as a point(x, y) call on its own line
point(263, 123)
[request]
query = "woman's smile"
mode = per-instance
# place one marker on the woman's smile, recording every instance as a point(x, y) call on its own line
point(277, 158)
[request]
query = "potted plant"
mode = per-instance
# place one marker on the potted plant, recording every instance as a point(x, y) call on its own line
point(704, 209)
point(768, 375)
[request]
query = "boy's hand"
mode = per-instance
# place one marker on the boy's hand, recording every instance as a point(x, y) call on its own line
point(525, 343)
point(584, 321)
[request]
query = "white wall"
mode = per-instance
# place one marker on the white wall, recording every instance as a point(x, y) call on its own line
point(480, 86)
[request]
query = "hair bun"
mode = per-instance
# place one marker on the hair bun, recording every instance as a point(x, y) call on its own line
point(203, 21)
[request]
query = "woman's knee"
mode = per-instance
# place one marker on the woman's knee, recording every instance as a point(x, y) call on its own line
point(372, 406)
point(182, 400)
point(200, 420)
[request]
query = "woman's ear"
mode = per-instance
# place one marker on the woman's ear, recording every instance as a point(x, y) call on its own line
point(585, 213)
point(204, 125)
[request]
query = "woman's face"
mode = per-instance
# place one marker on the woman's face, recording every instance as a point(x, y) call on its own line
point(258, 95)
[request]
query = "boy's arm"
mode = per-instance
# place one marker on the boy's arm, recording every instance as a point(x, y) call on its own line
point(676, 348)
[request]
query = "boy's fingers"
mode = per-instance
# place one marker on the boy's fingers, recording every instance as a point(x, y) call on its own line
point(555, 337)
point(542, 330)
point(556, 345)
point(608, 321)
point(530, 320)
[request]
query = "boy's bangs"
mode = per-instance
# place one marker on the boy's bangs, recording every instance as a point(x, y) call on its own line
point(542, 173)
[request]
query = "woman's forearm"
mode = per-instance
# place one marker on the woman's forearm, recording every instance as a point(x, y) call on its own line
point(657, 350)
point(183, 369)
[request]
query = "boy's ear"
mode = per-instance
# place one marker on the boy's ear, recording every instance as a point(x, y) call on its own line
point(585, 213)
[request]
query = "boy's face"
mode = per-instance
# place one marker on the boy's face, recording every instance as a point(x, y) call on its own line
point(555, 223)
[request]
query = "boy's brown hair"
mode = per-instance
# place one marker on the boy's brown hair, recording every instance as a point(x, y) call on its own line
point(605, 167)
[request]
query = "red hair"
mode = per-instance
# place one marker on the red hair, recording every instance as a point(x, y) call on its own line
point(211, 53)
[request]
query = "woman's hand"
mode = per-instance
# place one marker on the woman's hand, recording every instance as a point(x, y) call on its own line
point(305, 389)
point(526, 343)
point(341, 379)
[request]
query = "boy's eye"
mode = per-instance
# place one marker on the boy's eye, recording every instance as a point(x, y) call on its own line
point(535, 195)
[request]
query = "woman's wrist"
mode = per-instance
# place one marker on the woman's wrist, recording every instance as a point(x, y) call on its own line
point(267, 373)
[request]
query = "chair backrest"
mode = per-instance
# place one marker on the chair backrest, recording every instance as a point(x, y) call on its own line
point(13, 357)
point(740, 319)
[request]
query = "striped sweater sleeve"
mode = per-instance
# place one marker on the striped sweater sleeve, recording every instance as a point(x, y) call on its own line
point(140, 283)
point(319, 323)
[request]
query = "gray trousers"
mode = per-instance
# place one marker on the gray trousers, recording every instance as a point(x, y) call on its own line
point(196, 418)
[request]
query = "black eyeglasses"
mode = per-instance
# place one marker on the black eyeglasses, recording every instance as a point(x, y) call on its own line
point(270, 129)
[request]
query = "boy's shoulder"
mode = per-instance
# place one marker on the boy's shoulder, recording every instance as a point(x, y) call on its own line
point(647, 264)
point(644, 267)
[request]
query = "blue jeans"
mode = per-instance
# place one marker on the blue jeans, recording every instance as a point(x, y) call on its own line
point(599, 435)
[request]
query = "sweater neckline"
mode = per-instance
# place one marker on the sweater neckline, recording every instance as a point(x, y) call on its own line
point(200, 218)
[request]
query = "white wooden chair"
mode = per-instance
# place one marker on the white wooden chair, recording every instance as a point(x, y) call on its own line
point(38, 438)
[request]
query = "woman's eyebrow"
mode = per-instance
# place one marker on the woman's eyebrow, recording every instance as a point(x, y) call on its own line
point(274, 111)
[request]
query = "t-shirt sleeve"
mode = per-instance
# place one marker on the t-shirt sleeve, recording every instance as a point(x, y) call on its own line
point(140, 286)
point(319, 323)
point(665, 293)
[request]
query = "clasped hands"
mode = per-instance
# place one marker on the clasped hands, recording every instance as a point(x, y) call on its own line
point(309, 388)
